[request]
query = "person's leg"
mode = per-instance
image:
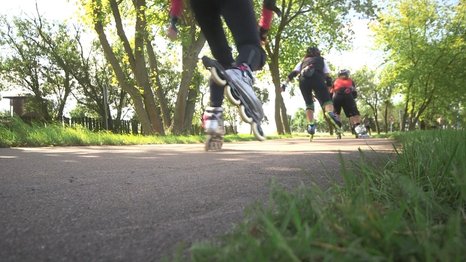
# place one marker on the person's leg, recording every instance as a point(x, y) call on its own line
point(241, 20)
point(337, 105)
point(306, 91)
point(323, 96)
point(355, 119)
point(207, 14)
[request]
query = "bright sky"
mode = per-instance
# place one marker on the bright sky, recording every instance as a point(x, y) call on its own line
point(52, 9)
point(360, 55)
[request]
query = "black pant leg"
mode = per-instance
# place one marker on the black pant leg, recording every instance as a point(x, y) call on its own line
point(241, 20)
point(207, 13)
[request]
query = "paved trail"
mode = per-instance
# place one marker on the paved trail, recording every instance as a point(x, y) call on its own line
point(135, 203)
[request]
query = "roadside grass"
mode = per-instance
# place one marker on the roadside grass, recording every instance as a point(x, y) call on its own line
point(411, 209)
point(15, 132)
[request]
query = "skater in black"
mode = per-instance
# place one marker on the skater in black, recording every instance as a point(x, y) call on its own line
point(344, 95)
point(241, 20)
point(314, 77)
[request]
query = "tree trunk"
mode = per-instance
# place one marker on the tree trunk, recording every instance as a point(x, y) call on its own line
point(67, 85)
point(278, 119)
point(281, 119)
point(190, 54)
point(190, 109)
point(377, 125)
point(141, 73)
point(386, 117)
point(285, 120)
point(122, 79)
point(166, 115)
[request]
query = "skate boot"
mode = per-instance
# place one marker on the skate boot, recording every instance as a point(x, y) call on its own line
point(361, 131)
point(335, 120)
point(311, 130)
point(240, 90)
point(238, 82)
point(213, 126)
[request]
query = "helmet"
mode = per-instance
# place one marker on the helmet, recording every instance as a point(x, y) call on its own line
point(312, 51)
point(344, 72)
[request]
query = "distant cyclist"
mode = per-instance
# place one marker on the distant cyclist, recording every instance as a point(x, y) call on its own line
point(344, 95)
point(313, 74)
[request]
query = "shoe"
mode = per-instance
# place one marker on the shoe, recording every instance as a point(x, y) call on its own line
point(361, 131)
point(242, 73)
point(243, 80)
point(242, 77)
point(212, 121)
point(311, 129)
point(334, 119)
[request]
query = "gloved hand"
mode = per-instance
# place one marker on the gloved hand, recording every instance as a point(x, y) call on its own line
point(263, 34)
point(292, 75)
point(284, 85)
point(172, 31)
point(328, 81)
point(272, 5)
point(355, 94)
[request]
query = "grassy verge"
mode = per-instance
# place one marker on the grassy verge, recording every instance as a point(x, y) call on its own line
point(413, 209)
point(17, 133)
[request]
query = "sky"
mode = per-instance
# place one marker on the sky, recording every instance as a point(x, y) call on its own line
point(361, 53)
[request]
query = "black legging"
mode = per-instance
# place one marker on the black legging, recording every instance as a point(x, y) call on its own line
point(347, 102)
point(241, 20)
point(315, 83)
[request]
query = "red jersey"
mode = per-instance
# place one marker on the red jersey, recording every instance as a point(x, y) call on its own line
point(341, 83)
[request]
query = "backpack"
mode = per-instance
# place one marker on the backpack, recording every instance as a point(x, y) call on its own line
point(310, 65)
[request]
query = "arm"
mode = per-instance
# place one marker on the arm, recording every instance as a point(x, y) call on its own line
point(268, 7)
point(328, 81)
point(326, 69)
point(291, 75)
point(295, 72)
point(176, 8)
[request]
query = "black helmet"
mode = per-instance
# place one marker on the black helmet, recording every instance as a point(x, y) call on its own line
point(312, 51)
point(344, 72)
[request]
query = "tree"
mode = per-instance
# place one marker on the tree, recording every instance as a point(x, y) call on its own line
point(135, 81)
point(368, 94)
point(35, 68)
point(143, 79)
point(424, 41)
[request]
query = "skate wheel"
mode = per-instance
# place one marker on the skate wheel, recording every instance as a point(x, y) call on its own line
point(257, 131)
point(213, 143)
point(207, 143)
point(216, 78)
point(231, 97)
point(244, 116)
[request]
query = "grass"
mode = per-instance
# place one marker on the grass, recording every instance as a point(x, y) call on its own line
point(412, 209)
point(17, 133)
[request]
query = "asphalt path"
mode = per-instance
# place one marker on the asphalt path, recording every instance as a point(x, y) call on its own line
point(138, 203)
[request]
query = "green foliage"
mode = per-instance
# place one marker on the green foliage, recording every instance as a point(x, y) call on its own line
point(410, 210)
point(299, 121)
point(15, 132)
point(83, 111)
point(426, 54)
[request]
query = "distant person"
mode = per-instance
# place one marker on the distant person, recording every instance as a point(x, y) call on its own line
point(344, 95)
point(314, 77)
